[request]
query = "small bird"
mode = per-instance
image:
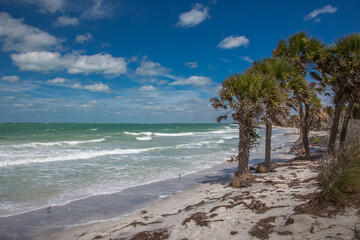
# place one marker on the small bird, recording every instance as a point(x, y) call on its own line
point(179, 176)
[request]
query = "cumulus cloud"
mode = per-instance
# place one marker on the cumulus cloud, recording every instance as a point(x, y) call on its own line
point(99, 63)
point(247, 59)
point(81, 38)
point(63, 21)
point(10, 78)
point(48, 6)
point(195, 16)
point(317, 12)
point(194, 80)
point(147, 88)
point(149, 68)
point(233, 42)
point(73, 63)
point(57, 80)
point(191, 64)
point(99, 9)
point(96, 87)
point(23, 38)
point(38, 61)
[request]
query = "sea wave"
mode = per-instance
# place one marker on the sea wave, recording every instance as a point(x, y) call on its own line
point(146, 138)
point(174, 134)
point(76, 156)
point(160, 134)
point(138, 134)
point(60, 143)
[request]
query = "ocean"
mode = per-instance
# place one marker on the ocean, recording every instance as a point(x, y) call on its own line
point(49, 164)
point(92, 172)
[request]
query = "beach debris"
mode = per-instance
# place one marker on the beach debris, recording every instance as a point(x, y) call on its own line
point(158, 234)
point(263, 228)
point(232, 159)
point(48, 209)
point(201, 219)
point(289, 221)
point(257, 206)
point(243, 180)
point(261, 168)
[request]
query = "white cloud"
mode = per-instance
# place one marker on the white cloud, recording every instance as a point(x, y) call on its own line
point(77, 86)
point(233, 42)
point(66, 21)
point(10, 78)
point(100, 9)
point(195, 16)
point(191, 64)
point(99, 63)
point(247, 59)
point(157, 81)
point(48, 6)
point(96, 87)
point(23, 38)
point(47, 61)
point(56, 81)
point(194, 80)
point(323, 10)
point(38, 61)
point(147, 88)
point(149, 68)
point(81, 38)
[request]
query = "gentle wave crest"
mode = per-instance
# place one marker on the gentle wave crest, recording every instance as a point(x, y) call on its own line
point(77, 156)
point(60, 143)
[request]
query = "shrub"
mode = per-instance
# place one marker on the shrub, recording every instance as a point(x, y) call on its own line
point(340, 177)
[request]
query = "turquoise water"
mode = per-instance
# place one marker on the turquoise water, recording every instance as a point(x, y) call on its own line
point(53, 164)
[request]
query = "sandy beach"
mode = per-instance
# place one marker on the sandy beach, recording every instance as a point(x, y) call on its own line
point(272, 208)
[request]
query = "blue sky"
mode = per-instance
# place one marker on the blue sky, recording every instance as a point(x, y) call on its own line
point(142, 61)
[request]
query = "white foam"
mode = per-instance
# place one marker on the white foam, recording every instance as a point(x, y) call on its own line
point(138, 134)
point(174, 134)
point(76, 156)
point(146, 138)
point(60, 143)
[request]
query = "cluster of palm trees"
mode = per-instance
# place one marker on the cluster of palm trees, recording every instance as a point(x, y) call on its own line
point(267, 91)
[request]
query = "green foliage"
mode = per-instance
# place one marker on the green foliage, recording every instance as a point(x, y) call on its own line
point(341, 179)
point(316, 140)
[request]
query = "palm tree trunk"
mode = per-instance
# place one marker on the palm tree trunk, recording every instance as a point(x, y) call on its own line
point(244, 150)
point(346, 122)
point(268, 143)
point(335, 125)
point(306, 129)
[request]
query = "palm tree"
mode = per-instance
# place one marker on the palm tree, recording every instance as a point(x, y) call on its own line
point(340, 68)
point(275, 101)
point(353, 100)
point(242, 95)
point(302, 52)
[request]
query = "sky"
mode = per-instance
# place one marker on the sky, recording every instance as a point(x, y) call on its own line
point(139, 61)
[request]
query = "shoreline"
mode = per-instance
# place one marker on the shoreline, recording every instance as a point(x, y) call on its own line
point(271, 208)
point(114, 206)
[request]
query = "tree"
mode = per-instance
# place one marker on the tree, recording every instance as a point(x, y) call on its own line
point(242, 95)
point(276, 98)
point(353, 100)
point(340, 68)
point(302, 52)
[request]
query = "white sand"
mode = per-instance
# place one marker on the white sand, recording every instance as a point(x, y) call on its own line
point(226, 213)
